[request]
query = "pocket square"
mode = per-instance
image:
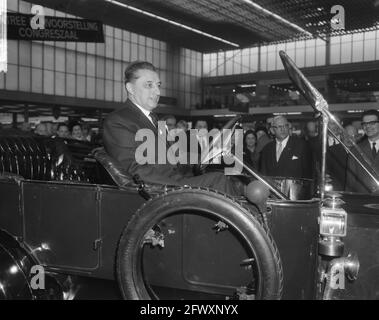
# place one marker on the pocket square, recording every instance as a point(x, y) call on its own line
point(294, 158)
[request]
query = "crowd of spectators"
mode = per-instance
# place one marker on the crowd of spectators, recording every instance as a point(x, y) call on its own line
point(273, 147)
point(75, 130)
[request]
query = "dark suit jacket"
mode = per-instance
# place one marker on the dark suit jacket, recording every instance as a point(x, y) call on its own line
point(336, 166)
point(120, 129)
point(295, 160)
point(357, 179)
point(251, 158)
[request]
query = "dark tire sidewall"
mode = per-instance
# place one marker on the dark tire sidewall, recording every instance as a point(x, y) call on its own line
point(253, 233)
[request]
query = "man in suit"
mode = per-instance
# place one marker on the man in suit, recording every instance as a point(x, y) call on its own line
point(358, 179)
point(121, 126)
point(286, 156)
point(337, 158)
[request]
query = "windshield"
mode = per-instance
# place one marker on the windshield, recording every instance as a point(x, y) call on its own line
point(362, 175)
point(219, 146)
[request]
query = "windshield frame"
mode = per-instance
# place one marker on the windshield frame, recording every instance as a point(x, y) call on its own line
point(319, 104)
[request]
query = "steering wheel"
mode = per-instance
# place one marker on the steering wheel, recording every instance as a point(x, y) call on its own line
point(231, 124)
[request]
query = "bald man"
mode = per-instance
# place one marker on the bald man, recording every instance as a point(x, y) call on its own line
point(41, 130)
point(286, 156)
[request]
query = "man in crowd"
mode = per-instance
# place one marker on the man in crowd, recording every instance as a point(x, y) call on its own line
point(311, 130)
point(120, 128)
point(337, 158)
point(314, 142)
point(358, 179)
point(202, 135)
point(286, 156)
point(63, 131)
point(25, 126)
point(76, 131)
point(170, 122)
point(41, 130)
point(182, 125)
point(262, 138)
point(336, 130)
point(270, 130)
point(50, 128)
point(86, 132)
point(351, 134)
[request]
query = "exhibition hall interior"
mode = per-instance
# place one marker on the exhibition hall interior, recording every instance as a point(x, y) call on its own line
point(189, 149)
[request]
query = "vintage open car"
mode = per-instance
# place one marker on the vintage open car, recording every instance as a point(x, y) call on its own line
point(73, 224)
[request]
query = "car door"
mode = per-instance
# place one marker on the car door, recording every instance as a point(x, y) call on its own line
point(61, 224)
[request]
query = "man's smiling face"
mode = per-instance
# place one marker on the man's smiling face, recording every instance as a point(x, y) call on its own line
point(145, 89)
point(370, 125)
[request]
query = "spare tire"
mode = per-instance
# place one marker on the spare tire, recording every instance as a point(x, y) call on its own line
point(255, 235)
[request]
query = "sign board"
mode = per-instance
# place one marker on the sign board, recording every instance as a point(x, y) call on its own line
point(23, 27)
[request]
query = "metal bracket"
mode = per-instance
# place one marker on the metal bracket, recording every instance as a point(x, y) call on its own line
point(97, 244)
point(220, 226)
point(155, 238)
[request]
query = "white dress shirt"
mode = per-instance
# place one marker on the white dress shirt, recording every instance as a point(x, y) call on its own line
point(283, 145)
point(376, 145)
point(145, 112)
point(284, 142)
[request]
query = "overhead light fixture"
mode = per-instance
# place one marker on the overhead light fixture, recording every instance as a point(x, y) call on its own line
point(354, 111)
point(247, 85)
point(286, 113)
point(277, 17)
point(152, 15)
point(224, 115)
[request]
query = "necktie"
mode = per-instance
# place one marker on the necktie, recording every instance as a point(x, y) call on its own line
point(373, 150)
point(154, 117)
point(278, 151)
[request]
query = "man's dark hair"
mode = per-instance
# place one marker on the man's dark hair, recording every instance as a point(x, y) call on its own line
point(261, 128)
point(371, 112)
point(131, 70)
point(74, 124)
point(62, 125)
point(168, 116)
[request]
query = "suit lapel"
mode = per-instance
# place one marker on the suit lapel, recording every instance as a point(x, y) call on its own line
point(273, 154)
point(365, 147)
point(144, 121)
point(286, 153)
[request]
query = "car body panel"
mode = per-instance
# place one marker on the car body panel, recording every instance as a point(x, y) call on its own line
point(294, 226)
point(65, 217)
point(116, 209)
point(74, 229)
point(362, 237)
point(11, 217)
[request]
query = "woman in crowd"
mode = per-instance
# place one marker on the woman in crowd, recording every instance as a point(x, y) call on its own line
point(250, 154)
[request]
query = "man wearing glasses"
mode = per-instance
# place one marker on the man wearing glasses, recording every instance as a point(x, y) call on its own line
point(358, 179)
point(286, 156)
